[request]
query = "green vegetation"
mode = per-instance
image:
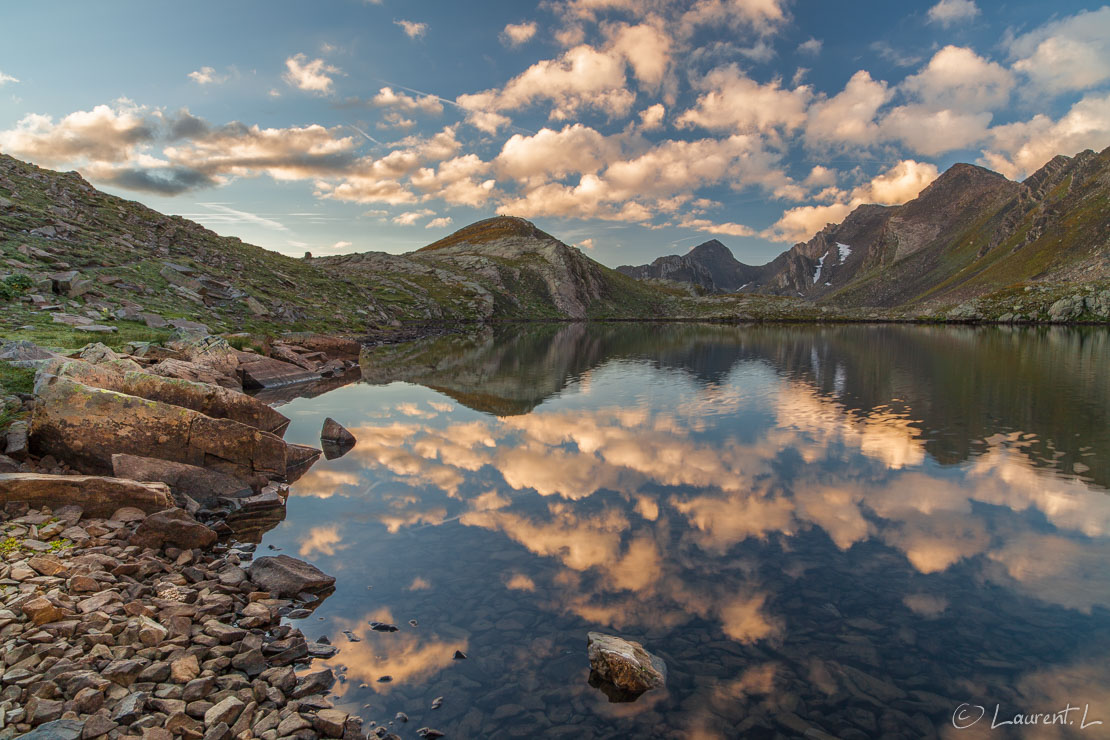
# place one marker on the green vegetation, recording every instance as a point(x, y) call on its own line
point(15, 379)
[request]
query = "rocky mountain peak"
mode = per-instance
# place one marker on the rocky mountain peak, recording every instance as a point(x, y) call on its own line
point(489, 230)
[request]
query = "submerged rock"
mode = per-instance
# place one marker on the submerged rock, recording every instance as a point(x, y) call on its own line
point(625, 665)
point(286, 576)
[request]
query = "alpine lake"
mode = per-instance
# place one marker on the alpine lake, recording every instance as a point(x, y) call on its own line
point(852, 531)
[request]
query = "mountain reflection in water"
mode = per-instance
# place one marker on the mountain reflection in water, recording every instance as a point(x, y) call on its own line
point(852, 529)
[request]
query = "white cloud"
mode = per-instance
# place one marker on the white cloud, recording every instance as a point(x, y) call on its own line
point(1065, 55)
point(586, 244)
point(646, 48)
point(947, 12)
point(849, 116)
point(1018, 149)
point(582, 77)
point(651, 118)
point(5, 79)
point(516, 34)
point(439, 223)
point(412, 29)
point(550, 154)
point(207, 76)
point(387, 97)
point(311, 75)
point(339, 245)
point(930, 132)
point(811, 46)
point(960, 79)
point(710, 227)
point(411, 217)
point(899, 184)
point(733, 101)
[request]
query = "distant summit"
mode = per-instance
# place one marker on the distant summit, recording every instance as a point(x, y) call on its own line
point(710, 265)
point(490, 230)
point(970, 232)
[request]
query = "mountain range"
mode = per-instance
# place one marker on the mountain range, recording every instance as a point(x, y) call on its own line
point(970, 233)
point(973, 245)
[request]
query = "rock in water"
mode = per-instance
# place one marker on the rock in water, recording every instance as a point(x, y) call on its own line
point(624, 664)
point(286, 576)
point(335, 439)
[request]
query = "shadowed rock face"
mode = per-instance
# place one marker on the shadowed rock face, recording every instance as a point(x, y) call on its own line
point(710, 266)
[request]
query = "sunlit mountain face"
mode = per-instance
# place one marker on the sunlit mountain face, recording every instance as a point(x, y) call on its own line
point(850, 529)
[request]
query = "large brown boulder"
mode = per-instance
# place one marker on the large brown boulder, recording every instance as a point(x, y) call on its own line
point(97, 496)
point(335, 439)
point(85, 426)
point(172, 527)
point(266, 372)
point(331, 346)
point(210, 400)
point(204, 486)
point(286, 576)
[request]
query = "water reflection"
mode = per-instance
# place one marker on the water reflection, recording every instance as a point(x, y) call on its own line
point(851, 529)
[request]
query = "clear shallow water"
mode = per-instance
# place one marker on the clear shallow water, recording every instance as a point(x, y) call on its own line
point(855, 529)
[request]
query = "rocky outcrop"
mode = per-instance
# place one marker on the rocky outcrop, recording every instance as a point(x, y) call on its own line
point(85, 426)
point(187, 482)
point(257, 372)
point(172, 527)
point(97, 495)
point(710, 266)
point(210, 400)
point(624, 664)
point(286, 576)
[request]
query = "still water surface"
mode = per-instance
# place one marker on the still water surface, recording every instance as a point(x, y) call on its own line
point(852, 530)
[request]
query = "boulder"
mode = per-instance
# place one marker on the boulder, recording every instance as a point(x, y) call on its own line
point(15, 442)
point(200, 484)
point(336, 434)
point(266, 372)
point(24, 353)
point(59, 729)
point(172, 527)
point(97, 496)
point(298, 459)
point(286, 576)
point(210, 400)
point(624, 664)
point(331, 346)
point(85, 426)
point(1067, 308)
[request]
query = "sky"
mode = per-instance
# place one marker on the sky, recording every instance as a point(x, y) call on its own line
point(629, 128)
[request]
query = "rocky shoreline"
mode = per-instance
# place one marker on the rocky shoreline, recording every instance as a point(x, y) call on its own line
point(132, 603)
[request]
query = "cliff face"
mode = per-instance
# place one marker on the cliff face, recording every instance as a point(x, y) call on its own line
point(710, 265)
point(970, 232)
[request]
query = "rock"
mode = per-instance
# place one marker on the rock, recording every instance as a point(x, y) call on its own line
point(60, 729)
point(313, 683)
point(184, 669)
point(40, 711)
point(335, 439)
point(251, 662)
point(292, 724)
point(625, 664)
point(266, 372)
point(227, 711)
point(459, 655)
point(153, 320)
point(172, 527)
point(285, 576)
point(98, 329)
point(330, 722)
point(204, 486)
point(129, 708)
point(69, 320)
point(330, 345)
point(127, 514)
point(97, 725)
point(27, 354)
point(16, 444)
point(122, 672)
point(298, 459)
point(85, 426)
point(1067, 308)
point(98, 496)
point(41, 611)
point(47, 565)
point(210, 400)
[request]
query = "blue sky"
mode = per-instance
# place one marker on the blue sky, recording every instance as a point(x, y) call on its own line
point(631, 128)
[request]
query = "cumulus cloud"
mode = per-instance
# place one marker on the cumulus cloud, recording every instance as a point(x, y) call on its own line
point(1018, 149)
point(928, 131)
point(651, 118)
point(734, 101)
point(412, 29)
point(387, 97)
point(311, 75)
point(947, 12)
point(207, 76)
point(959, 79)
point(849, 116)
point(811, 46)
point(439, 223)
point(899, 184)
point(550, 154)
point(1069, 54)
point(516, 34)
